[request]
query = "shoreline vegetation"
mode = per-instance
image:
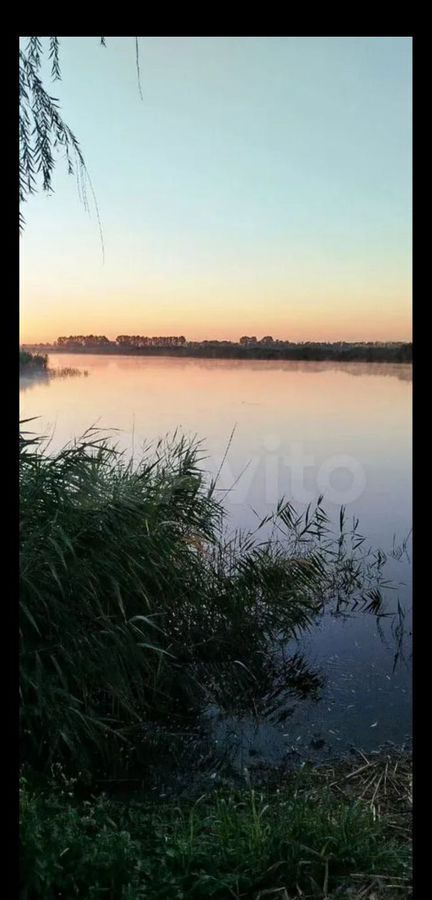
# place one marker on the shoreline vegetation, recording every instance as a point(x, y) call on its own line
point(36, 364)
point(341, 831)
point(247, 348)
point(137, 611)
point(33, 362)
point(138, 608)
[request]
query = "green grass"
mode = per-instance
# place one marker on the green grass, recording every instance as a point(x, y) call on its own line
point(304, 840)
point(135, 609)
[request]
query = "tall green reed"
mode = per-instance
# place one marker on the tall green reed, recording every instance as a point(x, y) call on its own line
point(135, 608)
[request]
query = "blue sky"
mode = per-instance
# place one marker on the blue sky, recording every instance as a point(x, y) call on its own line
point(262, 185)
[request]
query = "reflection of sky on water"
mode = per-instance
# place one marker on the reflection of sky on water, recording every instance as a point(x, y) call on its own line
point(364, 701)
point(312, 412)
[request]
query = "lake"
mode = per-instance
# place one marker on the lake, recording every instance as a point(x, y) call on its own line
point(273, 429)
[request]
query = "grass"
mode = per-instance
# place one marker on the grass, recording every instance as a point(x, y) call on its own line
point(320, 835)
point(135, 609)
point(66, 372)
point(37, 364)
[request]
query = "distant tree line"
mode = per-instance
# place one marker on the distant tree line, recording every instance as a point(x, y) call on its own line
point(83, 340)
point(137, 341)
point(246, 348)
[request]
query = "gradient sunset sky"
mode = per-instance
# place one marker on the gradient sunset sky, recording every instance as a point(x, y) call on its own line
point(261, 186)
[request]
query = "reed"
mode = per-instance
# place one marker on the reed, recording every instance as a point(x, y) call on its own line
point(136, 608)
point(32, 361)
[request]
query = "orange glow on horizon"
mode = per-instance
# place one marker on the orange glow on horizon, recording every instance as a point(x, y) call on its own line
point(400, 329)
point(220, 310)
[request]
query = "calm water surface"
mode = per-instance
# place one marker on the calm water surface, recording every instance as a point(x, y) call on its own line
point(300, 430)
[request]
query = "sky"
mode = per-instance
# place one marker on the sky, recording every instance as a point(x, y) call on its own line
point(260, 186)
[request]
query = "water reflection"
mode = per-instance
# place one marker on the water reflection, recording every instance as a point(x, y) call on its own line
point(335, 694)
point(36, 379)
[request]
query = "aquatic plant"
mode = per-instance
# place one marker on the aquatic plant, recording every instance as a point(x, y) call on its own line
point(66, 372)
point(136, 608)
point(32, 361)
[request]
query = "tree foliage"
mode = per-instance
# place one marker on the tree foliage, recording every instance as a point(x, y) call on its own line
point(43, 133)
point(44, 136)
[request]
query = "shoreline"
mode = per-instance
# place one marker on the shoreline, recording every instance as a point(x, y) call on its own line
point(322, 833)
point(296, 354)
